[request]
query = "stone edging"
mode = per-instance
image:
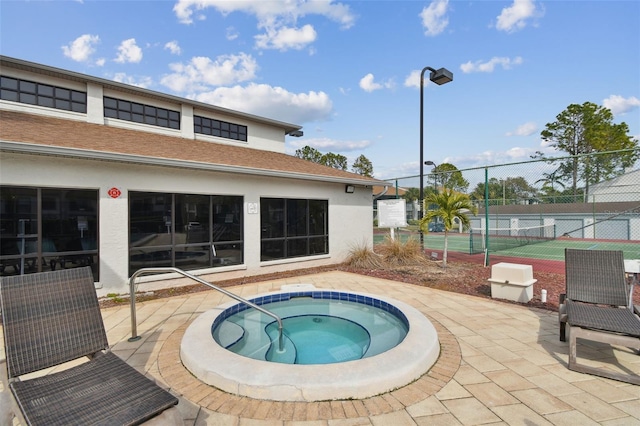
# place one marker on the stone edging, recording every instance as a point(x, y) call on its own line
point(184, 384)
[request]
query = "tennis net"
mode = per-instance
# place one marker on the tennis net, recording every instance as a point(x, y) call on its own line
point(509, 238)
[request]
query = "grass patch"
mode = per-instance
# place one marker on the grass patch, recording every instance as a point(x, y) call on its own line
point(115, 298)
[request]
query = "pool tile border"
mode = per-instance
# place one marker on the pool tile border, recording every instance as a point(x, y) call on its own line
point(321, 294)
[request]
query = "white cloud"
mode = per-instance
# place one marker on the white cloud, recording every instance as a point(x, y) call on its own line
point(143, 82)
point(404, 169)
point(511, 155)
point(201, 72)
point(268, 13)
point(330, 145)
point(82, 48)
point(129, 51)
point(277, 18)
point(231, 33)
point(274, 102)
point(546, 144)
point(368, 84)
point(413, 79)
point(489, 66)
point(518, 153)
point(173, 47)
point(619, 105)
point(285, 38)
point(434, 18)
point(514, 17)
point(477, 159)
point(526, 129)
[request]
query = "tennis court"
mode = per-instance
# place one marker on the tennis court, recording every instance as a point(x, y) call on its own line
point(554, 250)
point(546, 255)
point(551, 250)
point(435, 241)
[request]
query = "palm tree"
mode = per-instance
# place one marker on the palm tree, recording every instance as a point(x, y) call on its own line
point(451, 205)
point(551, 178)
point(411, 194)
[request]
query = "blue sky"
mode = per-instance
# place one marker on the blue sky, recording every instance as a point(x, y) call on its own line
point(349, 71)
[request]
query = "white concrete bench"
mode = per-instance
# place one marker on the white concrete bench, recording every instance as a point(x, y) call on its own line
point(512, 281)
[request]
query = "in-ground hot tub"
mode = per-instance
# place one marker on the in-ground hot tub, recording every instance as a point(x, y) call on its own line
point(370, 368)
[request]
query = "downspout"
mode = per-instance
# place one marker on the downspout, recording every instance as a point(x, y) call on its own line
point(384, 191)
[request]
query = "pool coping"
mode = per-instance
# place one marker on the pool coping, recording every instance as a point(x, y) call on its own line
point(184, 384)
point(361, 378)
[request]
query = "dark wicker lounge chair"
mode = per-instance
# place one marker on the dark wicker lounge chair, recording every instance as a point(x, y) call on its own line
point(596, 307)
point(50, 318)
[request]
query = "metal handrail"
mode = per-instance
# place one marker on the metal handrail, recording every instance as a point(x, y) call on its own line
point(143, 271)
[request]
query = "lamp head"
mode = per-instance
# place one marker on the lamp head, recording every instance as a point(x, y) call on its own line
point(429, 163)
point(441, 76)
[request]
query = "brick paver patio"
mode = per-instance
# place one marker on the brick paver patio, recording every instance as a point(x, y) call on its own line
point(500, 363)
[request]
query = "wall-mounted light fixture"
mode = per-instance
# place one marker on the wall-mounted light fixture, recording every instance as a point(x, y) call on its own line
point(349, 189)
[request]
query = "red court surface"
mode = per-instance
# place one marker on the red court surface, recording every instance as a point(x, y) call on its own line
point(544, 265)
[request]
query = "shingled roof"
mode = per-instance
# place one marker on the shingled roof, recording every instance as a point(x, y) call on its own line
point(28, 133)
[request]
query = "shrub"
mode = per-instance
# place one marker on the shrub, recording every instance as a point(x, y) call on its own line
point(362, 256)
point(396, 252)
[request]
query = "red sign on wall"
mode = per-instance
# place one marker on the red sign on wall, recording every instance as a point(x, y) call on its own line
point(114, 192)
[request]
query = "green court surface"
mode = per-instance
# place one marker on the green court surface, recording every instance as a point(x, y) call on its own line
point(432, 240)
point(554, 250)
point(549, 250)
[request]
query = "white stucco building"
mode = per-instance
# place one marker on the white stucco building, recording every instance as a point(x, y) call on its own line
point(94, 172)
point(622, 188)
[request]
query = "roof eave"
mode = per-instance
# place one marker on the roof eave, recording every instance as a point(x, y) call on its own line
point(36, 149)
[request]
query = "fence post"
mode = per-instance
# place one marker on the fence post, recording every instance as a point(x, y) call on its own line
point(486, 216)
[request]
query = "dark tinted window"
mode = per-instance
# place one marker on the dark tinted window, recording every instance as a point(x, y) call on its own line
point(45, 95)
point(293, 228)
point(207, 126)
point(141, 113)
point(187, 231)
point(66, 237)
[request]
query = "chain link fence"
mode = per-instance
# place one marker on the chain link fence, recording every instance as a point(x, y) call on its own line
point(590, 199)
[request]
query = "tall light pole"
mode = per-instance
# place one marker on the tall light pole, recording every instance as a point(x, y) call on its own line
point(440, 77)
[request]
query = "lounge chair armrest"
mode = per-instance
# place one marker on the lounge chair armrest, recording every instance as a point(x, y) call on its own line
point(562, 308)
point(4, 379)
point(7, 409)
point(562, 317)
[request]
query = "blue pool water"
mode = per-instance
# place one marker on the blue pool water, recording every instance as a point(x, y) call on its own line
point(320, 327)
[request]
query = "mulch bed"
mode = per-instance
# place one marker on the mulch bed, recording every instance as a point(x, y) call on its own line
point(459, 276)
